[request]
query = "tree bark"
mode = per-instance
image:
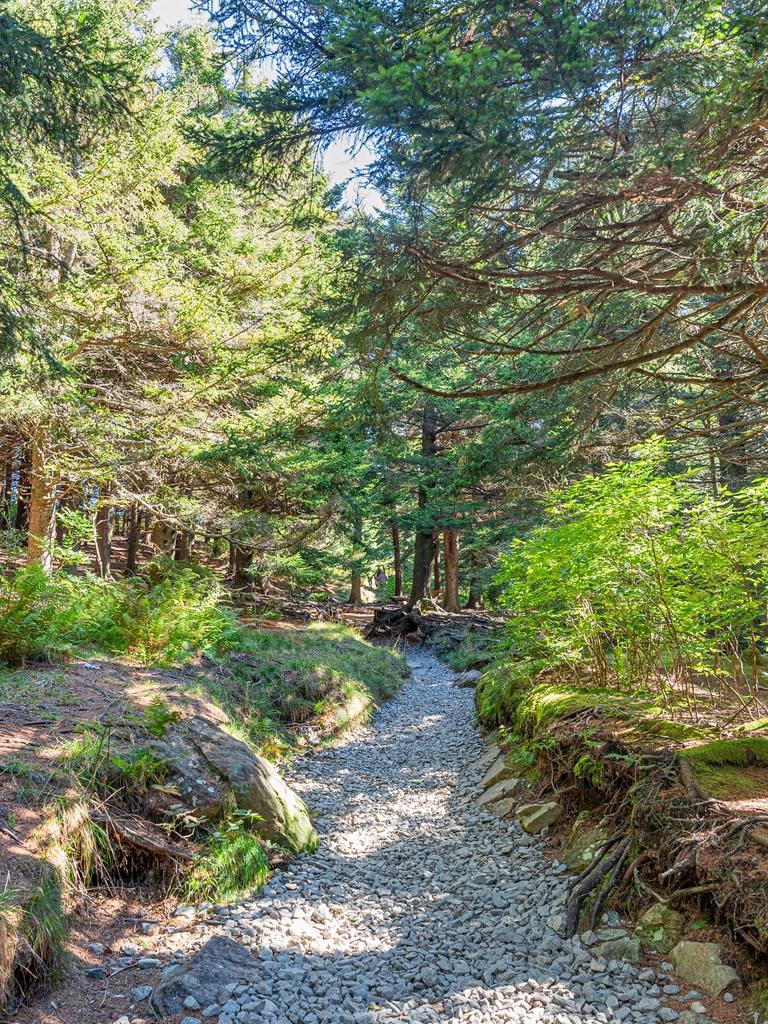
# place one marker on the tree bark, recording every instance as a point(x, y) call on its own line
point(133, 514)
point(21, 521)
point(42, 511)
point(241, 577)
point(423, 544)
point(475, 598)
point(398, 562)
point(104, 534)
point(436, 581)
point(451, 556)
point(356, 589)
point(163, 538)
point(7, 481)
point(184, 541)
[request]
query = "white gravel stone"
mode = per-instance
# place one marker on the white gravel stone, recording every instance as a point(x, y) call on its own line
point(419, 905)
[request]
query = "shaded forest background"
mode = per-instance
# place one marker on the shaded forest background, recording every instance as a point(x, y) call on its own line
point(210, 360)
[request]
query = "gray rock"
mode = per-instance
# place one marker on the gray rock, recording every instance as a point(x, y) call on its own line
point(500, 791)
point(141, 992)
point(535, 817)
point(581, 850)
point(468, 680)
point(621, 949)
point(202, 974)
point(691, 1017)
point(498, 771)
point(699, 964)
point(190, 1020)
point(256, 786)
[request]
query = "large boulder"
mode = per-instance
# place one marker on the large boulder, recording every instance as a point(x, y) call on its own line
point(534, 818)
point(256, 786)
point(660, 928)
point(700, 965)
point(220, 962)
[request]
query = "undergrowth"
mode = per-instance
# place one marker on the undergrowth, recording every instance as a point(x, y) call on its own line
point(321, 674)
point(180, 610)
point(234, 861)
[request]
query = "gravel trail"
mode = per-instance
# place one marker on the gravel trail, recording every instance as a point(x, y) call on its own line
point(419, 906)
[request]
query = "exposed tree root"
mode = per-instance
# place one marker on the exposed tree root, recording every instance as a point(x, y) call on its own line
point(580, 892)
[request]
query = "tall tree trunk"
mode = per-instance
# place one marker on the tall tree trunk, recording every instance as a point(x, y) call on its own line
point(184, 542)
point(163, 538)
point(356, 589)
point(104, 534)
point(423, 543)
point(65, 501)
point(42, 510)
point(21, 521)
point(733, 455)
point(241, 578)
point(398, 561)
point(243, 556)
point(133, 514)
point(451, 555)
point(6, 481)
point(436, 581)
point(475, 599)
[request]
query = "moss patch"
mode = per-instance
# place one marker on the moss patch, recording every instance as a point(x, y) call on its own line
point(738, 753)
point(733, 769)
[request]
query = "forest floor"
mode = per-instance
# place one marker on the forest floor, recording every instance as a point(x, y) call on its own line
point(419, 906)
point(391, 799)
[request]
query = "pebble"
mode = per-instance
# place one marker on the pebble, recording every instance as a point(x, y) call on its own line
point(419, 907)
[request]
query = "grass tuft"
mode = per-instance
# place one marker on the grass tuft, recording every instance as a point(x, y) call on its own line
point(233, 862)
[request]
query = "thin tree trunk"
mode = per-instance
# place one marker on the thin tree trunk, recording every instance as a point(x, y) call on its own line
point(398, 562)
point(104, 534)
point(356, 589)
point(475, 599)
point(21, 521)
point(451, 555)
point(65, 501)
point(42, 511)
point(243, 556)
point(436, 582)
point(241, 578)
point(133, 514)
point(5, 506)
point(423, 544)
point(184, 546)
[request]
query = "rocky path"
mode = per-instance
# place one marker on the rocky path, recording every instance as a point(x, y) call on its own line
point(420, 906)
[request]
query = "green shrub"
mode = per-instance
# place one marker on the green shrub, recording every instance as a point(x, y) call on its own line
point(639, 576)
point(183, 611)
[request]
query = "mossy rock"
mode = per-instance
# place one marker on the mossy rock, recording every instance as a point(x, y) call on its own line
point(660, 928)
point(581, 850)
